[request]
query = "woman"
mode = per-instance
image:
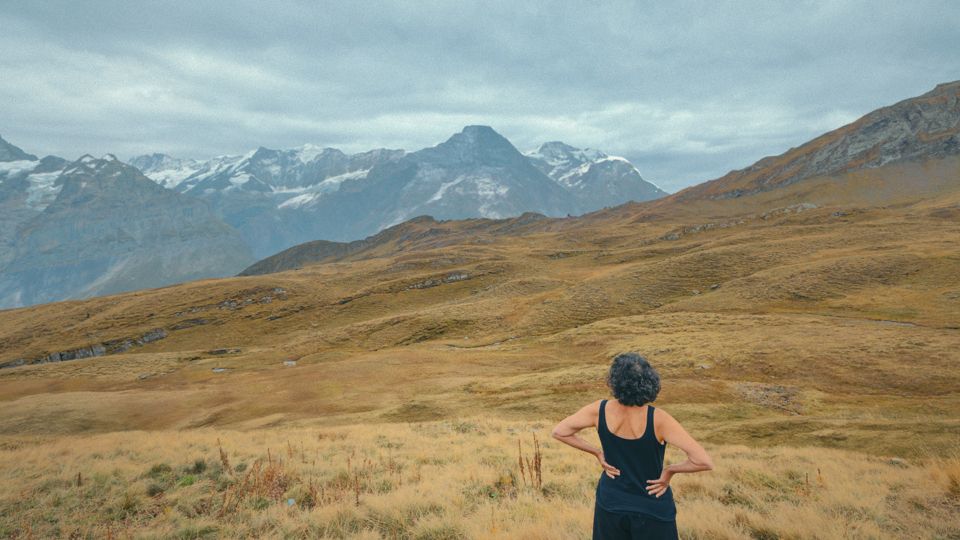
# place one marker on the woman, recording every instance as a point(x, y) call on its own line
point(634, 499)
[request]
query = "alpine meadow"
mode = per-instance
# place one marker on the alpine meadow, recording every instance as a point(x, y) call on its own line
point(309, 342)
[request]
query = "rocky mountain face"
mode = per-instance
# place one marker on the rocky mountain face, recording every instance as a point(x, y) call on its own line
point(920, 128)
point(265, 194)
point(595, 179)
point(98, 226)
point(476, 173)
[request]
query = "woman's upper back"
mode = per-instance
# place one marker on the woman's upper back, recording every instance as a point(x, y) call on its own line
point(630, 422)
point(636, 450)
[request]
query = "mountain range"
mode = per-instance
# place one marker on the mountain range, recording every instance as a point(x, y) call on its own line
point(159, 220)
point(278, 198)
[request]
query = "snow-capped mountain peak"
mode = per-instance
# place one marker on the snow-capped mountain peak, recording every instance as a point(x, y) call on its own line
point(597, 178)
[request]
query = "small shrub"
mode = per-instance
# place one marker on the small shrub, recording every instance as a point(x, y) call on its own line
point(187, 480)
point(197, 468)
point(195, 532)
point(466, 427)
point(159, 471)
point(441, 532)
point(125, 507)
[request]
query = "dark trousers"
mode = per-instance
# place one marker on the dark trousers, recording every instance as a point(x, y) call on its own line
point(617, 526)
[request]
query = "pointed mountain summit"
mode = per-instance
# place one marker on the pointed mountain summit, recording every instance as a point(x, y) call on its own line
point(474, 145)
point(9, 152)
point(475, 173)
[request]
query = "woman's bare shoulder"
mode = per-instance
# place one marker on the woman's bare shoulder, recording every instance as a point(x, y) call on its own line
point(593, 407)
point(660, 415)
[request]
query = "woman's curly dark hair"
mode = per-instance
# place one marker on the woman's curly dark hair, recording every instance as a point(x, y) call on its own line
point(633, 380)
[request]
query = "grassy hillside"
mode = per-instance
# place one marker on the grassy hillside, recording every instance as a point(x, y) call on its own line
point(812, 326)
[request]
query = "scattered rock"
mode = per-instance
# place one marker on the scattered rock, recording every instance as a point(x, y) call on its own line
point(189, 323)
point(898, 462)
point(219, 369)
point(290, 363)
point(792, 209)
point(772, 395)
point(715, 286)
point(695, 292)
point(433, 282)
point(223, 351)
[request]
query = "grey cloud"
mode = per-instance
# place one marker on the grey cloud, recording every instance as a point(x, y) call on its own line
point(688, 90)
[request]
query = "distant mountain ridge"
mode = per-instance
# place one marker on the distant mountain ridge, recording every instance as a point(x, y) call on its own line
point(922, 127)
point(280, 198)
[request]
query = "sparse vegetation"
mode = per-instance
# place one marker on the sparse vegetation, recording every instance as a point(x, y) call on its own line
point(342, 483)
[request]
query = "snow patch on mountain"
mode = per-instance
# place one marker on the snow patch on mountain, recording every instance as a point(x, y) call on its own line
point(43, 190)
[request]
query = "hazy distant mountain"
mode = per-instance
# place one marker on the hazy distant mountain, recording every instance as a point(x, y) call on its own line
point(595, 179)
point(9, 152)
point(476, 173)
point(266, 194)
point(279, 198)
point(98, 226)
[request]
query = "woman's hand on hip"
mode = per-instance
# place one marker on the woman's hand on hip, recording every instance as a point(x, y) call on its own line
point(659, 486)
point(609, 469)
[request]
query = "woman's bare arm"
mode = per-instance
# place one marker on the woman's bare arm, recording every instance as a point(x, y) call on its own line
point(697, 458)
point(566, 432)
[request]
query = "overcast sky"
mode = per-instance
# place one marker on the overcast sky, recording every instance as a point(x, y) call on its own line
point(687, 91)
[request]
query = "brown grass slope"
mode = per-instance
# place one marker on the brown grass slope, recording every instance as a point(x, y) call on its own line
point(794, 312)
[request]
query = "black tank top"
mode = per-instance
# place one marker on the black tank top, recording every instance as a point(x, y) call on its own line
point(639, 460)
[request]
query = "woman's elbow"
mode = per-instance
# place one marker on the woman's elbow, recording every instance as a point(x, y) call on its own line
point(558, 432)
point(704, 462)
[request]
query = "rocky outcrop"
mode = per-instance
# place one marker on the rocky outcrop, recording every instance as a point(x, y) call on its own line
point(97, 349)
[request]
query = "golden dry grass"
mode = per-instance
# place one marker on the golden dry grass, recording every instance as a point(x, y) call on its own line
point(446, 479)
